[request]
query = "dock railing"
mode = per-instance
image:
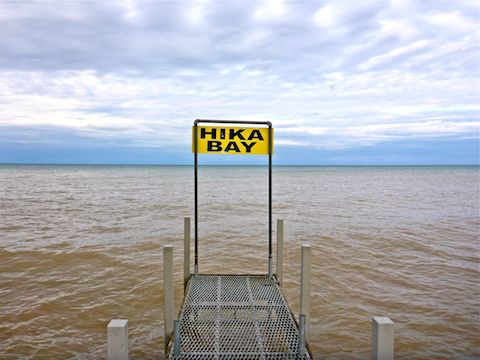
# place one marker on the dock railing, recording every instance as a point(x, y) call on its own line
point(233, 315)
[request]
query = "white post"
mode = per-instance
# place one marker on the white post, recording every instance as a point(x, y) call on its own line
point(176, 340)
point(117, 340)
point(305, 288)
point(301, 335)
point(382, 338)
point(168, 292)
point(186, 250)
point(280, 251)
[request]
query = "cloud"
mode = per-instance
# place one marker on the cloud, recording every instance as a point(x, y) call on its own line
point(335, 74)
point(270, 11)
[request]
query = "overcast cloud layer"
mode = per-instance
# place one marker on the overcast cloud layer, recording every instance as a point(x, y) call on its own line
point(336, 78)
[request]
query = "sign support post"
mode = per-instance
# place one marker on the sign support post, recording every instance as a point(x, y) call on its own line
point(195, 147)
point(253, 144)
point(270, 151)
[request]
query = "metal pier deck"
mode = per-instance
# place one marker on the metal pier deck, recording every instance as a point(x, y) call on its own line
point(236, 317)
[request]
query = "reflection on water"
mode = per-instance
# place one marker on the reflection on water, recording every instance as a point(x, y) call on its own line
point(82, 245)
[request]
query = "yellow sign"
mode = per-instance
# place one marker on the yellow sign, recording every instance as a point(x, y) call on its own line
point(231, 140)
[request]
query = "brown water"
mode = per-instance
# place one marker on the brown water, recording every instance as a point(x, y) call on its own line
point(81, 245)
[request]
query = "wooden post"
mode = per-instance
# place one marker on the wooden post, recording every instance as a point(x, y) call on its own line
point(280, 251)
point(382, 338)
point(117, 340)
point(168, 293)
point(186, 250)
point(305, 288)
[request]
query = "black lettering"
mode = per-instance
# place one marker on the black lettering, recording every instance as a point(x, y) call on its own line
point(232, 144)
point(214, 145)
point(248, 147)
point(255, 134)
point(222, 133)
point(238, 133)
point(204, 133)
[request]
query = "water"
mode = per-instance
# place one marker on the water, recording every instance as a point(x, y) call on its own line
point(80, 245)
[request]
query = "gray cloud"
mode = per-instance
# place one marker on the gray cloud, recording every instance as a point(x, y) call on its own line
point(147, 69)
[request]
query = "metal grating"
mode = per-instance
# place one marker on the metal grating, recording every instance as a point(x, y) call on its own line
point(236, 317)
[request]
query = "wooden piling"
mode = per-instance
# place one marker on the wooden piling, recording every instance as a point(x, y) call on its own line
point(117, 339)
point(168, 299)
point(305, 288)
point(280, 251)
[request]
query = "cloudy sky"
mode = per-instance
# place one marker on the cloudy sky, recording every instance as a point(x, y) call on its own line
point(344, 82)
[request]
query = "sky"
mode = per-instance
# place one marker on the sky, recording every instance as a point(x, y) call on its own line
point(343, 82)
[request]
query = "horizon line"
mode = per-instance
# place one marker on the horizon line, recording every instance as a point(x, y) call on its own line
point(179, 164)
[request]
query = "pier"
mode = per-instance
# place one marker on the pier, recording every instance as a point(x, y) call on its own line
point(235, 316)
point(238, 316)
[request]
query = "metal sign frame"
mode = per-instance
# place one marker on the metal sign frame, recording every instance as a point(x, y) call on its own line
point(270, 151)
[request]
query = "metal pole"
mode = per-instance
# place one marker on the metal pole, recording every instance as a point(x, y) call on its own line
point(280, 251)
point(301, 336)
point(305, 287)
point(186, 250)
point(270, 150)
point(233, 122)
point(177, 339)
point(195, 148)
point(168, 301)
